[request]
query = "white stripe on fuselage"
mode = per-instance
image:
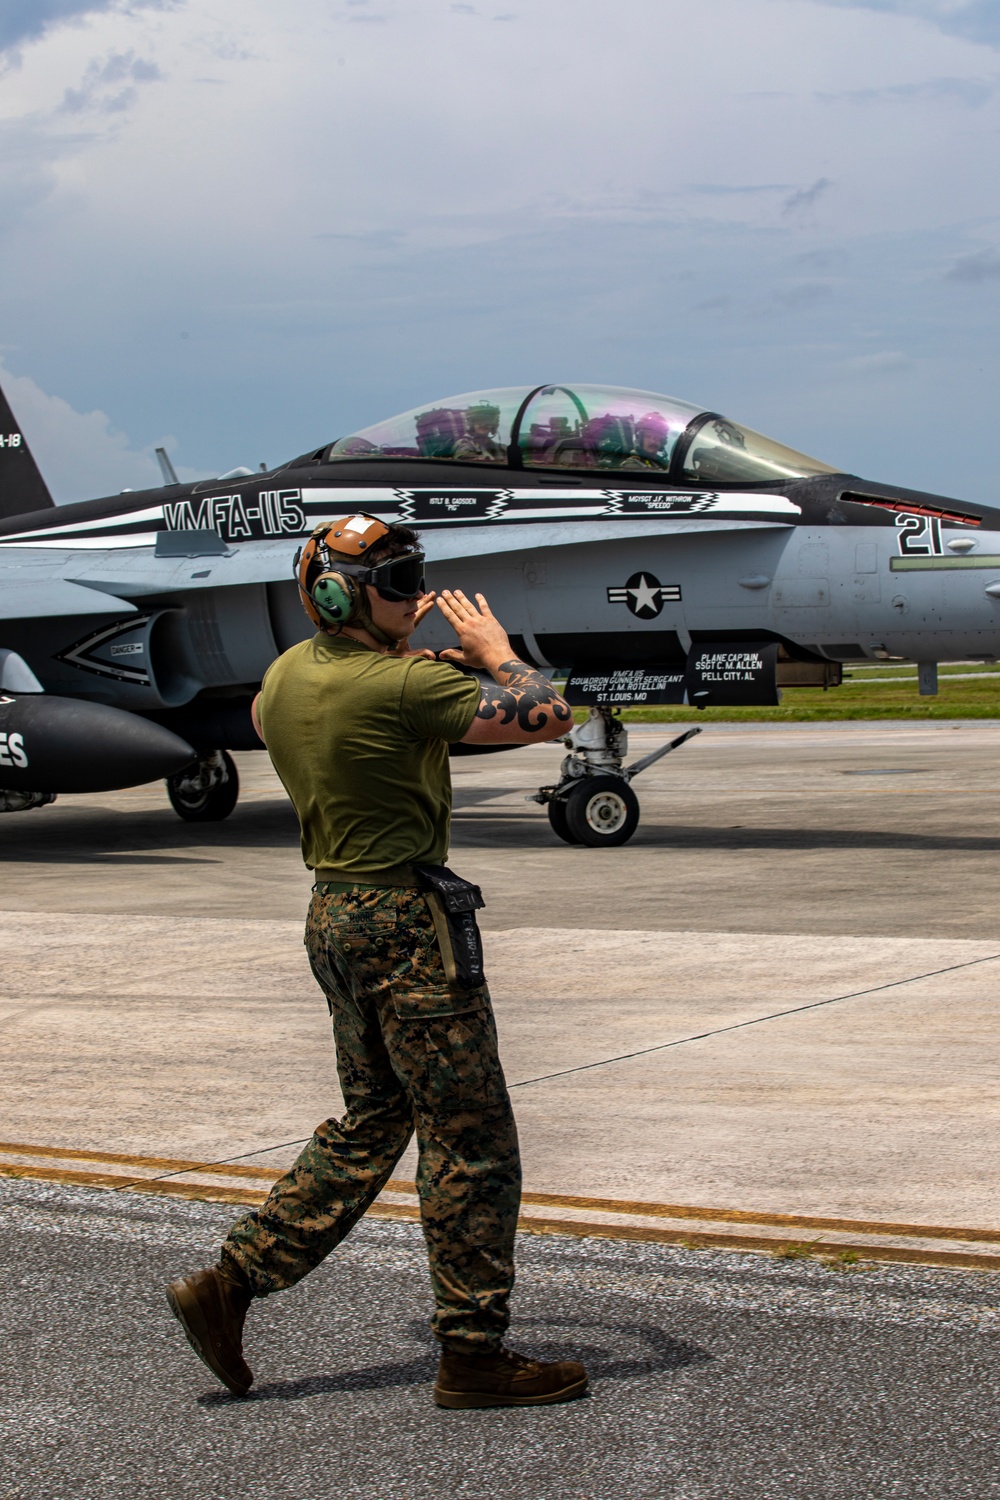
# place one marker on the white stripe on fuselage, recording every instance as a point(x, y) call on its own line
point(68, 528)
point(489, 506)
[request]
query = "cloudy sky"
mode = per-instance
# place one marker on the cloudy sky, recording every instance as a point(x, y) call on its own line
point(243, 229)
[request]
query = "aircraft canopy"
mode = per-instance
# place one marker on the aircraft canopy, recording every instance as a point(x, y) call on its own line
point(583, 427)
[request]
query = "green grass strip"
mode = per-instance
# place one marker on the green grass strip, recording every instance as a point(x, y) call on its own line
point(978, 698)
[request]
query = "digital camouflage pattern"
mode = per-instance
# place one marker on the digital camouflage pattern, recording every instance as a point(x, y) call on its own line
point(412, 1053)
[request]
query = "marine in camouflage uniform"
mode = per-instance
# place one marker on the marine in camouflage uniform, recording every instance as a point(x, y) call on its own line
point(358, 729)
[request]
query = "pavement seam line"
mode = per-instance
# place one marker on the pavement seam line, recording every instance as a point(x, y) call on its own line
point(629, 1056)
point(776, 1015)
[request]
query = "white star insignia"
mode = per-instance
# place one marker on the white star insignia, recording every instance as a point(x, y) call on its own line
point(644, 594)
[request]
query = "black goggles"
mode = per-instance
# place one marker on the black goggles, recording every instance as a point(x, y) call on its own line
point(396, 578)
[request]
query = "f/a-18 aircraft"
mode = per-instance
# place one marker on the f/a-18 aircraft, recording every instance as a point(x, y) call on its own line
point(656, 551)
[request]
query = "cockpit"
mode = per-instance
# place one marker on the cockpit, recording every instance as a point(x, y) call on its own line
point(585, 428)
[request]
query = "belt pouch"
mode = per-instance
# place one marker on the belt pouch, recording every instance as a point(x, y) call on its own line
point(453, 904)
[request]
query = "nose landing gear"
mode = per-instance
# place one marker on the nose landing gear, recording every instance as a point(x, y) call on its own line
point(207, 790)
point(592, 803)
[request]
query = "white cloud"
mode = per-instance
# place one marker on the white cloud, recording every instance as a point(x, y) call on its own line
point(110, 85)
point(971, 92)
point(975, 20)
point(975, 268)
point(25, 21)
point(82, 454)
point(805, 198)
point(801, 294)
point(883, 362)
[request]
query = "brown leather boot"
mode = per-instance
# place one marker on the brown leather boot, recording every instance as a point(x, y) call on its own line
point(505, 1379)
point(211, 1308)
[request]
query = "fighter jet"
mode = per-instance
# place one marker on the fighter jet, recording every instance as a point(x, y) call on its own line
point(655, 551)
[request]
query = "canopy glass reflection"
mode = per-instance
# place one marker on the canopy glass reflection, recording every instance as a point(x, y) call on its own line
point(583, 427)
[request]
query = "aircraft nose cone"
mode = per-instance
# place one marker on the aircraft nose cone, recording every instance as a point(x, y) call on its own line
point(51, 744)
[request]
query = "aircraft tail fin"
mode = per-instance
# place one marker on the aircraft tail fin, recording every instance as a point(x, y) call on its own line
point(22, 488)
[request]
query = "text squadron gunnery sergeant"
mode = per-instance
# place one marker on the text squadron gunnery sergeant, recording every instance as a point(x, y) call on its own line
point(358, 729)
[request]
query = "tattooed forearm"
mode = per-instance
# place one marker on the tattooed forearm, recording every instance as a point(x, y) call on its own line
point(519, 675)
point(525, 694)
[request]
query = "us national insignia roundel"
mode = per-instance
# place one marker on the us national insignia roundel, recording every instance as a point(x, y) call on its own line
point(645, 595)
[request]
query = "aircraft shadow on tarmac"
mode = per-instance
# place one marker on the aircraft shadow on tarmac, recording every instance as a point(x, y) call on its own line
point(85, 834)
point(488, 830)
point(656, 1353)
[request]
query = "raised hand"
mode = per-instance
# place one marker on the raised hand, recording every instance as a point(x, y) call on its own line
point(522, 705)
point(483, 642)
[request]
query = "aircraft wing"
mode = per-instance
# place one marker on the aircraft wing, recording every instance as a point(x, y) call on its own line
point(45, 598)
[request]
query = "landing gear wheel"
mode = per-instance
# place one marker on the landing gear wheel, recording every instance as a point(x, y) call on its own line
point(556, 810)
point(602, 812)
point(207, 791)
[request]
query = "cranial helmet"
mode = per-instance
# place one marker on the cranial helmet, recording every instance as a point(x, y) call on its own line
point(485, 414)
point(331, 570)
point(653, 422)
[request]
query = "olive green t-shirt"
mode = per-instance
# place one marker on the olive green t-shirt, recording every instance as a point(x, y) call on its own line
point(360, 741)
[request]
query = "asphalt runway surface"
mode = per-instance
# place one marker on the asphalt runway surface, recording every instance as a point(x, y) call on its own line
point(714, 1376)
point(154, 999)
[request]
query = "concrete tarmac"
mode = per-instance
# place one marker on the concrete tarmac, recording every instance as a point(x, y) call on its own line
point(155, 996)
point(815, 903)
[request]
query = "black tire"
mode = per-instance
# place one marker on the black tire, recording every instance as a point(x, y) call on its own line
point(556, 810)
point(602, 812)
point(211, 805)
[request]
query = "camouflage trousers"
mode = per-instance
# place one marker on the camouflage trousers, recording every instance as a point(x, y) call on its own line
point(412, 1053)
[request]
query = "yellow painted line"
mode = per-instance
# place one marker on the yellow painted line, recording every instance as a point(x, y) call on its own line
point(161, 1163)
point(688, 1239)
point(775, 1220)
point(111, 1180)
point(698, 1240)
point(635, 1208)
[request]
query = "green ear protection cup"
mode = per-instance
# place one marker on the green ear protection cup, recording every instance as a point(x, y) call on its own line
point(337, 597)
